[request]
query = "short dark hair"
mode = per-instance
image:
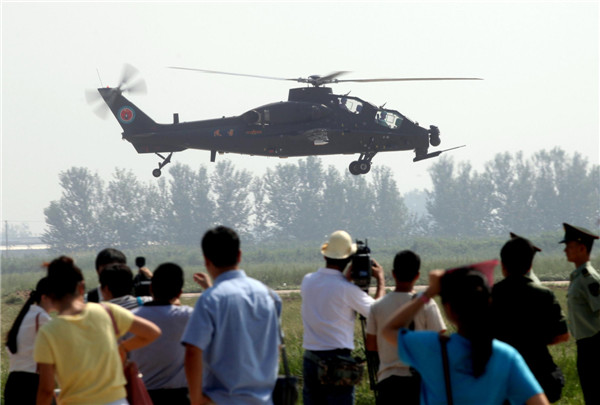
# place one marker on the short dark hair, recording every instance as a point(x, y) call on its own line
point(167, 282)
point(63, 277)
point(109, 256)
point(118, 277)
point(337, 263)
point(406, 265)
point(221, 245)
point(517, 256)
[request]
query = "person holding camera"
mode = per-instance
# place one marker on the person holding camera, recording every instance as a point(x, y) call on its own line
point(329, 306)
point(393, 376)
point(528, 316)
point(469, 367)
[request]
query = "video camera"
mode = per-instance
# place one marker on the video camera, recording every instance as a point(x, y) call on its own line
point(362, 266)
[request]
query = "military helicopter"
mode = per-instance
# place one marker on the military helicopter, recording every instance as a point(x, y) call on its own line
point(313, 121)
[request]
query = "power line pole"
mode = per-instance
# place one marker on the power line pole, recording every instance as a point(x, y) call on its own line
point(6, 238)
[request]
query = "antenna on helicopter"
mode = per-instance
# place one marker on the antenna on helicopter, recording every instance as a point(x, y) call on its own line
point(99, 78)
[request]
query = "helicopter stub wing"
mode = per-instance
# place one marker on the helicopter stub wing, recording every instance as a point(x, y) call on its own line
point(435, 154)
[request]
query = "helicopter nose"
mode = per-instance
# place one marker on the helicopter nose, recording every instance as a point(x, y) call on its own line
point(434, 136)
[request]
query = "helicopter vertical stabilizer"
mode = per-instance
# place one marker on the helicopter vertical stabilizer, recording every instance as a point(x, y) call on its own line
point(131, 118)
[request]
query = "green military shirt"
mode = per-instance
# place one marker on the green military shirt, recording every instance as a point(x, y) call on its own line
point(583, 299)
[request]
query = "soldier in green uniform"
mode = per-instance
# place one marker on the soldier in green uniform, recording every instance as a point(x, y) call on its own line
point(583, 300)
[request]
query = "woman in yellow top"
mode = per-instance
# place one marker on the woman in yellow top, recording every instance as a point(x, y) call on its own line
point(79, 346)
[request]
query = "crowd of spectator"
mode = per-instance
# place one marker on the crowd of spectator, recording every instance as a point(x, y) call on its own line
point(225, 350)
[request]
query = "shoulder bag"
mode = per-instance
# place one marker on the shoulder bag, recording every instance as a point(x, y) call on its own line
point(137, 394)
point(286, 387)
point(444, 342)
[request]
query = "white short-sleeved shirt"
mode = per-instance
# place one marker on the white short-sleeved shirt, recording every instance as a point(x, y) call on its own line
point(428, 318)
point(329, 306)
point(22, 360)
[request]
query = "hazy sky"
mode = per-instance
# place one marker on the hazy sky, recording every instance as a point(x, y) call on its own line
point(539, 62)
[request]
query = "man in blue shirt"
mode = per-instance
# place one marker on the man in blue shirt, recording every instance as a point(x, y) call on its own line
point(232, 338)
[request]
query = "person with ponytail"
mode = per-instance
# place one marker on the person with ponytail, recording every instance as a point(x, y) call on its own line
point(79, 347)
point(22, 382)
point(475, 369)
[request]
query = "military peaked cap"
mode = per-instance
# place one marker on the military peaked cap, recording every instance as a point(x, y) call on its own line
point(534, 247)
point(578, 234)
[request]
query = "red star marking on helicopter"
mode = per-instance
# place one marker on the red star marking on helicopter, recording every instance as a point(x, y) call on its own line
point(126, 114)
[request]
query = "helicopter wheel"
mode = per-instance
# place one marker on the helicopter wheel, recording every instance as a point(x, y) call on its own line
point(363, 167)
point(156, 172)
point(354, 168)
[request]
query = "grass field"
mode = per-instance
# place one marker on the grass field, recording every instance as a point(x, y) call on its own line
point(564, 354)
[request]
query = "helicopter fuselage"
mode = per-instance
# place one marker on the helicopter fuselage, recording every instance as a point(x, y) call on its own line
point(313, 121)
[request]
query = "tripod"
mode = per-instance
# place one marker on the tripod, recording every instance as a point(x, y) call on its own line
point(372, 358)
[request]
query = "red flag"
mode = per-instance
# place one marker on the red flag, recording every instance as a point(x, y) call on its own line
point(486, 268)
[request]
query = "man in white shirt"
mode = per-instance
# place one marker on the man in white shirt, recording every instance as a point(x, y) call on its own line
point(329, 305)
point(395, 380)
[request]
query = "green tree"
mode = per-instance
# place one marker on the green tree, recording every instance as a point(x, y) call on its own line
point(281, 191)
point(458, 203)
point(75, 221)
point(391, 214)
point(263, 228)
point(335, 212)
point(232, 196)
point(308, 223)
point(359, 202)
point(191, 211)
point(566, 190)
point(128, 211)
point(512, 206)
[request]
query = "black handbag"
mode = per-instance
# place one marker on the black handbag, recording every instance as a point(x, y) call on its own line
point(286, 387)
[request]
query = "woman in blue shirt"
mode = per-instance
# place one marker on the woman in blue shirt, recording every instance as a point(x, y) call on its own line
point(482, 370)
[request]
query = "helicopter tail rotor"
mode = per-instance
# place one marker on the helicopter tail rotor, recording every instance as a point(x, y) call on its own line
point(130, 82)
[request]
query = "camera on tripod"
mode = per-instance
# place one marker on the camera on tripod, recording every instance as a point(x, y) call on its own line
point(362, 266)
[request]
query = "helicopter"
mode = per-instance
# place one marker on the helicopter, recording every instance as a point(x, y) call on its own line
point(313, 121)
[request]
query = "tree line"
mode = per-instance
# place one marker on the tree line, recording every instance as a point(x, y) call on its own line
point(307, 201)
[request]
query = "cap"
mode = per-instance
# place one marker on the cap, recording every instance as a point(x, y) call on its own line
point(578, 234)
point(534, 247)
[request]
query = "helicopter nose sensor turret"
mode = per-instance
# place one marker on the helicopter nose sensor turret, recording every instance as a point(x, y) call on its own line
point(434, 136)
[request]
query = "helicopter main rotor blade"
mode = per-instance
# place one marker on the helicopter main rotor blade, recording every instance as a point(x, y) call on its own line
point(233, 74)
point(407, 79)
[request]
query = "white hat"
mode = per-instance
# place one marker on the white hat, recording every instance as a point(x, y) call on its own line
point(339, 246)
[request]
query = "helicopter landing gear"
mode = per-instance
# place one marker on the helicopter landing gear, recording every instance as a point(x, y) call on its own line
point(166, 161)
point(362, 165)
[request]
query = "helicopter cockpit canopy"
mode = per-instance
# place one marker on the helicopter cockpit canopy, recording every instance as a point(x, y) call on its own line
point(351, 105)
point(388, 118)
